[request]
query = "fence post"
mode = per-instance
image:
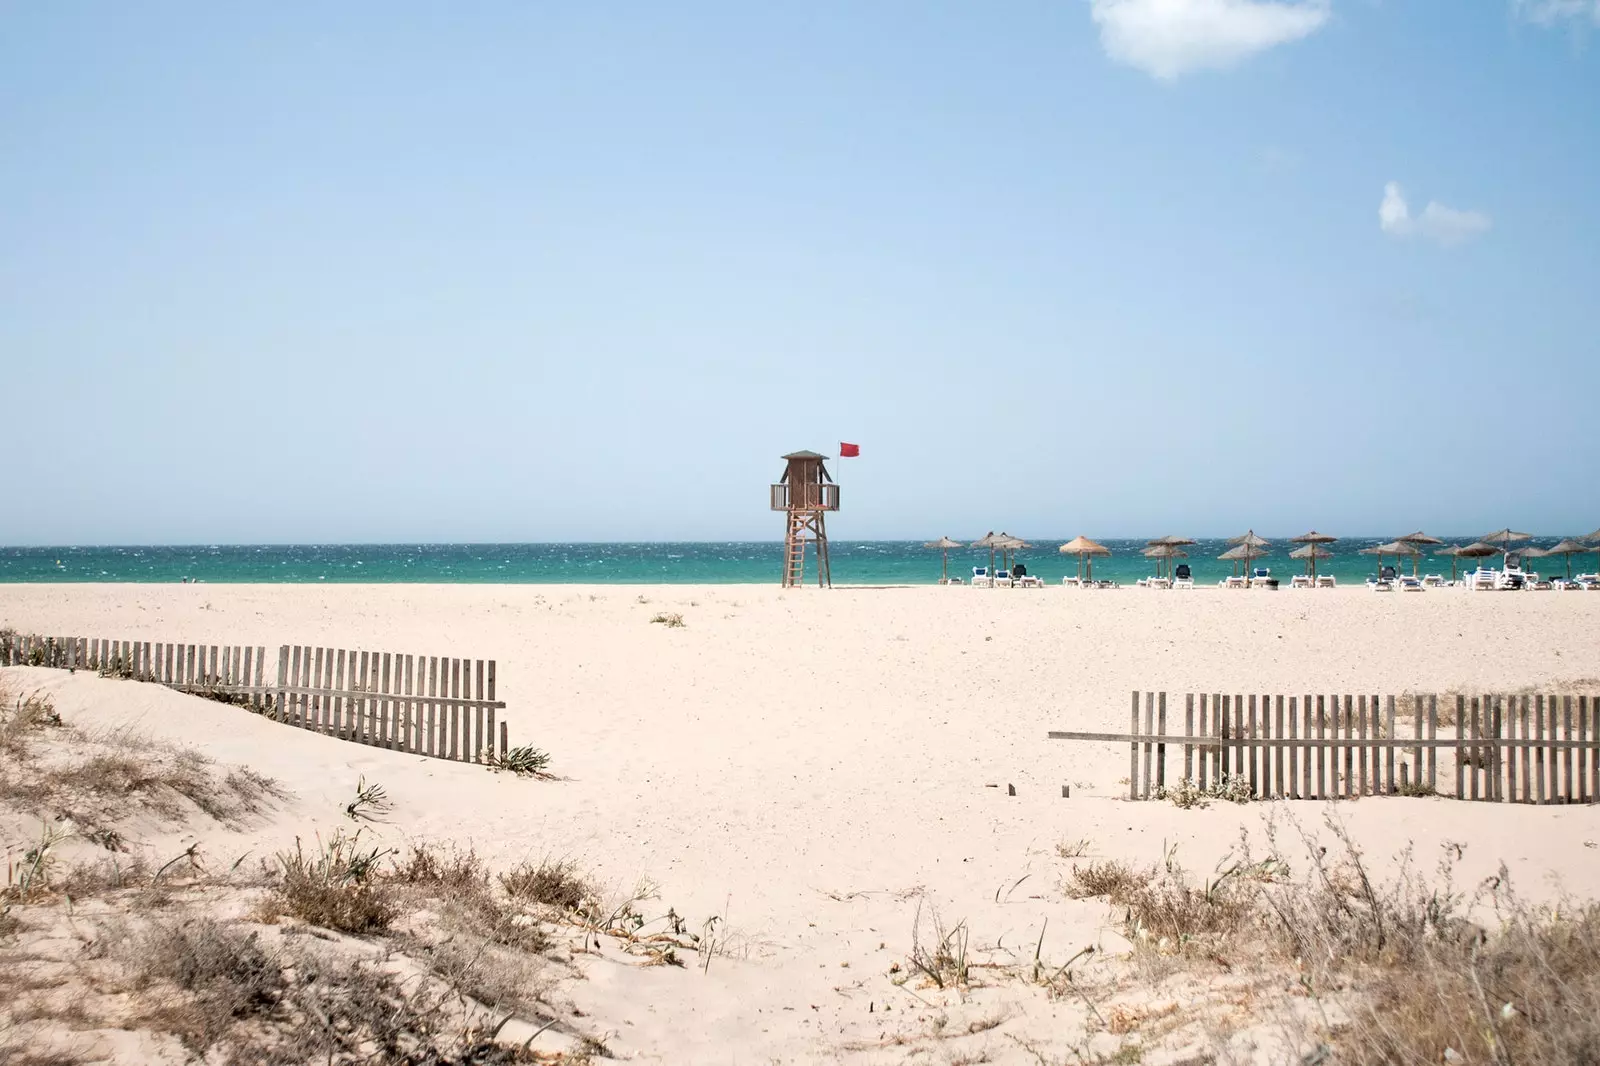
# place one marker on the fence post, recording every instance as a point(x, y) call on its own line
point(1133, 751)
point(1161, 749)
point(283, 683)
point(1188, 731)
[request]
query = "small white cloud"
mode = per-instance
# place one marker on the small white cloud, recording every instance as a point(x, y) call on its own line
point(1169, 38)
point(1554, 12)
point(1448, 226)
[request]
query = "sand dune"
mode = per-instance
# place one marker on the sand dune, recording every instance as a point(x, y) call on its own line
point(812, 766)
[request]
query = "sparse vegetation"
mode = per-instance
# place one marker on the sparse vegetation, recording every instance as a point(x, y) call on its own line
point(553, 884)
point(370, 804)
point(672, 620)
point(1075, 849)
point(335, 887)
point(524, 761)
point(1186, 794)
point(939, 954)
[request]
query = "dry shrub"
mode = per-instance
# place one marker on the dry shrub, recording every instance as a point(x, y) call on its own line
point(1114, 880)
point(224, 970)
point(230, 999)
point(21, 719)
point(672, 620)
point(553, 884)
point(334, 887)
point(450, 871)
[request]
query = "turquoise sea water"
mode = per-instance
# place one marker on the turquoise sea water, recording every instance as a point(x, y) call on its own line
point(758, 562)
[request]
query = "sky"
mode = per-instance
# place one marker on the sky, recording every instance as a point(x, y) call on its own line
point(393, 271)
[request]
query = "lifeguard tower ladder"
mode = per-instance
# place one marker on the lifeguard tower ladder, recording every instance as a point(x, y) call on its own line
point(805, 494)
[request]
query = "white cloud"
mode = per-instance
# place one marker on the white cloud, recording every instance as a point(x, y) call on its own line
point(1169, 38)
point(1551, 12)
point(1448, 226)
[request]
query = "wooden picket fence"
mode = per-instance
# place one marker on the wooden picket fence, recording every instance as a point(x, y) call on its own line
point(428, 705)
point(1499, 748)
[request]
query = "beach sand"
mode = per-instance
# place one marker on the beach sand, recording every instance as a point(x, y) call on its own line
point(814, 766)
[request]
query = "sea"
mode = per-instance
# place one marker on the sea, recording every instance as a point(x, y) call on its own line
point(855, 562)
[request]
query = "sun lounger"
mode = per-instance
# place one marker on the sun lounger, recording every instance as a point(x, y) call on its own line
point(981, 578)
point(1232, 583)
point(1301, 581)
point(1182, 577)
point(1482, 580)
point(1411, 584)
point(1002, 580)
point(1434, 581)
point(1326, 581)
point(1072, 581)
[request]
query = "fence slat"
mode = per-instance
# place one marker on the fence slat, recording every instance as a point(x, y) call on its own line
point(489, 737)
point(1205, 731)
point(1219, 754)
point(1188, 730)
point(1149, 729)
point(1568, 793)
point(1161, 729)
point(1538, 753)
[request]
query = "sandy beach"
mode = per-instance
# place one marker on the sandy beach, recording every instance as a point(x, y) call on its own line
point(812, 767)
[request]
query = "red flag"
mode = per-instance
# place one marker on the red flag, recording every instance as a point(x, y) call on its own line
point(849, 451)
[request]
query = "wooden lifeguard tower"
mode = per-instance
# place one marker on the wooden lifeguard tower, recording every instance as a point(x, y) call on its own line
point(806, 494)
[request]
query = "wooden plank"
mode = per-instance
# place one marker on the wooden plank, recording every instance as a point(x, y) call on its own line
point(1161, 730)
point(413, 730)
point(1362, 784)
point(1149, 728)
point(1322, 755)
point(1374, 752)
point(1205, 731)
point(280, 710)
point(1299, 767)
point(341, 703)
point(1388, 761)
point(385, 708)
point(1188, 728)
point(504, 744)
point(1583, 734)
point(1569, 794)
point(1216, 730)
point(489, 708)
point(470, 744)
point(248, 666)
point(319, 703)
point(1433, 734)
point(1513, 784)
point(1256, 784)
point(427, 682)
point(1349, 749)
point(1279, 787)
point(1133, 752)
point(1594, 751)
point(1225, 773)
point(261, 666)
point(296, 700)
point(1538, 755)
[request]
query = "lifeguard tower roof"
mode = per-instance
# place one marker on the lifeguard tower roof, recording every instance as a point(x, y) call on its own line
point(803, 455)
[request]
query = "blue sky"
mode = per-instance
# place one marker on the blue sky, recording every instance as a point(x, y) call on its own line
point(513, 271)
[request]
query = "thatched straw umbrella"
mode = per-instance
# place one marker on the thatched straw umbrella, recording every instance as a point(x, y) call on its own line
point(1081, 547)
point(990, 540)
point(1237, 554)
point(1592, 538)
point(1314, 540)
point(1420, 540)
point(1250, 543)
point(1163, 554)
point(1168, 541)
point(944, 544)
point(1475, 550)
point(1397, 548)
point(1502, 539)
point(1569, 548)
point(1007, 545)
point(1311, 553)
